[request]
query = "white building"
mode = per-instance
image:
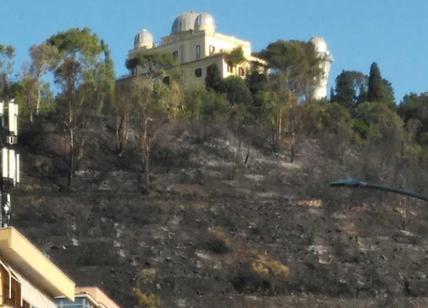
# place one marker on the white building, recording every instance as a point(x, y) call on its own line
point(195, 44)
point(321, 47)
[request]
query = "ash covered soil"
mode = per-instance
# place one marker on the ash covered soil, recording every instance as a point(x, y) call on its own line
point(220, 228)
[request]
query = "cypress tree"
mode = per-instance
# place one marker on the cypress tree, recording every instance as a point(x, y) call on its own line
point(375, 91)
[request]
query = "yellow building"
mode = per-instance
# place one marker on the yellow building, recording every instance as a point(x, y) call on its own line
point(28, 278)
point(195, 45)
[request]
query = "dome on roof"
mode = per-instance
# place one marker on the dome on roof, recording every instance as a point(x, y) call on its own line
point(320, 44)
point(184, 22)
point(205, 22)
point(143, 39)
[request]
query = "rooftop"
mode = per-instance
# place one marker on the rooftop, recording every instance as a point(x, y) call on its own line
point(29, 261)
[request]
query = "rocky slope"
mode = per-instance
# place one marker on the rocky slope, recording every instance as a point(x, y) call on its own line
point(211, 233)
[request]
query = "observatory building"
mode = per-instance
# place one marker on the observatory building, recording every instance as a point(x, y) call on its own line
point(195, 44)
point(321, 47)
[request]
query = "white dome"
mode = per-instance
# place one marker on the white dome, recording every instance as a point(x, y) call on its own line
point(184, 22)
point(205, 22)
point(320, 44)
point(143, 39)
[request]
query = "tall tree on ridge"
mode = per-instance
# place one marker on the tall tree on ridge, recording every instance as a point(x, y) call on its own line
point(43, 58)
point(351, 89)
point(81, 73)
point(375, 90)
point(379, 89)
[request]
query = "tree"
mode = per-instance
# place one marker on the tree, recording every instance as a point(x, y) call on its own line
point(193, 100)
point(7, 54)
point(43, 58)
point(157, 96)
point(375, 91)
point(384, 142)
point(236, 91)
point(296, 69)
point(81, 73)
point(297, 62)
point(235, 57)
point(215, 107)
point(414, 109)
point(213, 80)
point(154, 65)
point(351, 89)
point(379, 89)
point(279, 110)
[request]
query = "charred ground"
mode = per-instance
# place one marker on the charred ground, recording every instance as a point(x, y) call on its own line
point(215, 231)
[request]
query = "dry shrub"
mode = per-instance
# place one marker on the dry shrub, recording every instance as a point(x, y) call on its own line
point(270, 268)
point(146, 280)
point(147, 300)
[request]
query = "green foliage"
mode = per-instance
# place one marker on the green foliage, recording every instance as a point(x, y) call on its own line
point(83, 72)
point(378, 122)
point(213, 80)
point(82, 56)
point(193, 101)
point(351, 89)
point(379, 89)
point(215, 107)
point(235, 57)
point(318, 117)
point(375, 91)
point(414, 111)
point(297, 62)
point(236, 91)
point(154, 65)
point(7, 54)
point(79, 44)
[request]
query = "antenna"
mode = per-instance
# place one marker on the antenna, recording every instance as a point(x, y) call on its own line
point(9, 158)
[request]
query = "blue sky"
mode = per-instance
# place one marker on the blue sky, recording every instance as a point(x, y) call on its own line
point(394, 33)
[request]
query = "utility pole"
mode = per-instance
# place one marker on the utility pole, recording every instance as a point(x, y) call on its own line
point(9, 158)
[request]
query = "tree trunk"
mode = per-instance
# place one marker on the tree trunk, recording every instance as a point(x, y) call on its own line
point(71, 139)
point(292, 139)
point(279, 138)
point(38, 97)
point(146, 155)
point(70, 158)
point(122, 133)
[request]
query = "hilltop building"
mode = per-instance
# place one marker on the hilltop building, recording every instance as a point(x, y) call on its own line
point(321, 47)
point(195, 44)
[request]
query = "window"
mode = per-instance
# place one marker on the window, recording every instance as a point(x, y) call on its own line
point(241, 71)
point(175, 55)
point(198, 72)
point(198, 51)
point(212, 49)
point(230, 68)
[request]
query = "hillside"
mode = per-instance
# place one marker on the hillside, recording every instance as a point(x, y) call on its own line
point(213, 233)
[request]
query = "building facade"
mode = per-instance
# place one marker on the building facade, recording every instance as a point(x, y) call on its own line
point(28, 278)
point(87, 297)
point(195, 44)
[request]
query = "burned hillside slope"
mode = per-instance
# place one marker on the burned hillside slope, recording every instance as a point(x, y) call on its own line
point(224, 224)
